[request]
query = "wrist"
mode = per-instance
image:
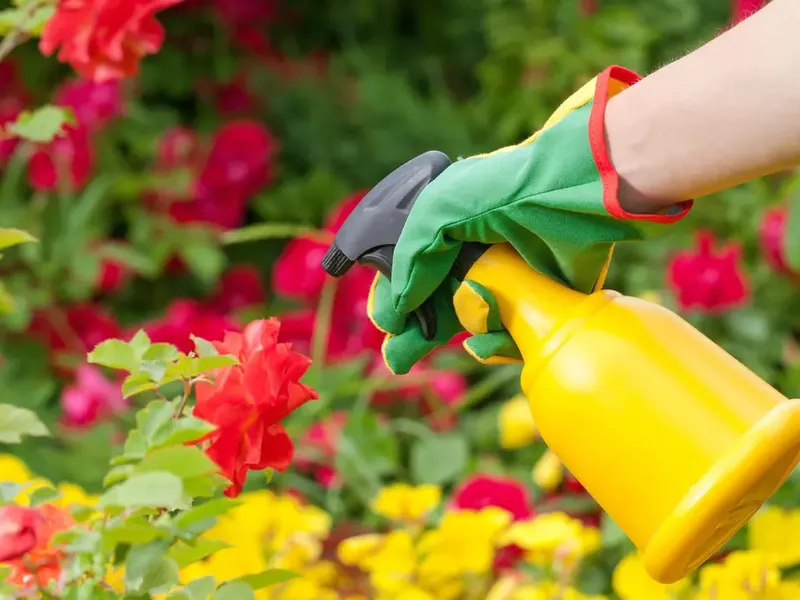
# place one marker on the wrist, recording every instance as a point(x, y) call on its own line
point(634, 157)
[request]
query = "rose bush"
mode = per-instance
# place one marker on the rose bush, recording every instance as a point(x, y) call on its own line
point(192, 409)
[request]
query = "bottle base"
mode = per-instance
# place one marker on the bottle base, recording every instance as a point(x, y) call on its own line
point(727, 496)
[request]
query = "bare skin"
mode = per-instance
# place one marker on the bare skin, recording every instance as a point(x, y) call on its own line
point(727, 113)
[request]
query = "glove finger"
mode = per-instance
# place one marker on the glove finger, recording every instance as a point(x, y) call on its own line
point(401, 352)
point(416, 275)
point(380, 309)
point(477, 308)
point(494, 348)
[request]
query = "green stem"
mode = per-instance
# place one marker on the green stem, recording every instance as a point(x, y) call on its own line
point(187, 391)
point(268, 231)
point(322, 326)
point(497, 379)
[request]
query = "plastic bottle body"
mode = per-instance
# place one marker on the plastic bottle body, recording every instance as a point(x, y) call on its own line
point(678, 441)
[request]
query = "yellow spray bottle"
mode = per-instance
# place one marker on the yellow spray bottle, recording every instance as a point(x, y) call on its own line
point(678, 441)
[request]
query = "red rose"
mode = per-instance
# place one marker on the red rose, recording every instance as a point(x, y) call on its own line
point(742, 9)
point(90, 398)
point(481, 491)
point(93, 104)
point(77, 329)
point(20, 529)
point(708, 280)
point(70, 155)
point(104, 39)
point(772, 235)
point(37, 563)
point(239, 287)
point(238, 165)
point(178, 147)
point(186, 317)
point(248, 401)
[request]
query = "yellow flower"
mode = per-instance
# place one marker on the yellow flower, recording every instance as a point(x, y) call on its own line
point(402, 502)
point(73, 494)
point(553, 538)
point(548, 472)
point(631, 582)
point(517, 427)
point(13, 470)
point(464, 542)
point(265, 531)
point(355, 551)
point(775, 532)
point(742, 576)
point(297, 589)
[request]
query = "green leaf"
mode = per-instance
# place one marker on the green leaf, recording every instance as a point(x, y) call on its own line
point(154, 489)
point(42, 125)
point(117, 474)
point(203, 347)
point(146, 567)
point(185, 429)
point(438, 459)
point(16, 422)
point(12, 237)
point(35, 24)
point(44, 495)
point(129, 257)
point(135, 530)
point(140, 342)
point(134, 447)
point(201, 589)
point(205, 364)
point(265, 231)
point(182, 461)
point(161, 352)
point(206, 510)
point(153, 417)
point(185, 554)
point(10, 490)
point(791, 236)
point(10, 20)
point(115, 354)
point(612, 533)
point(204, 258)
point(236, 590)
point(6, 299)
point(267, 578)
point(136, 384)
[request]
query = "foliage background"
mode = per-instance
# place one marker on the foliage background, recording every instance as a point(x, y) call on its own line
point(349, 91)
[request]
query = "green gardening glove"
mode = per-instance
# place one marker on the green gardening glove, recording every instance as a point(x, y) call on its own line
point(553, 197)
point(405, 345)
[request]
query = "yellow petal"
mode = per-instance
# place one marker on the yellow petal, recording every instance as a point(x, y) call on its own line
point(516, 424)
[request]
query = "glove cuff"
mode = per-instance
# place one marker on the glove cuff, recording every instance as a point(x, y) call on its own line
point(609, 83)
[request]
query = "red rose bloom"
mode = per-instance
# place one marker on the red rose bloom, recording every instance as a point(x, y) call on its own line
point(25, 543)
point(742, 9)
point(77, 330)
point(69, 155)
point(707, 280)
point(772, 235)
point(178, 147)
point(90, 398)
point(238, 165)
point(186, 317)
point(104, 39)
point(481, 491)
point(248, 401)
point(93, 104)
point(239, 287)
point(20, 529)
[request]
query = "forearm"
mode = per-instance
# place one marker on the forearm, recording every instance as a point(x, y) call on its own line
point(724, 114)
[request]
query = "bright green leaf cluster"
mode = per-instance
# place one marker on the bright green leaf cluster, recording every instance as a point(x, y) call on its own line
point(152, 365)
point(42, 125)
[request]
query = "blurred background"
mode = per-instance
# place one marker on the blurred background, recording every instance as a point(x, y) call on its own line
point(203, 193)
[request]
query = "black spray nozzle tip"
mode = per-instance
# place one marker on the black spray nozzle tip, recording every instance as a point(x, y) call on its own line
point(335, 262)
